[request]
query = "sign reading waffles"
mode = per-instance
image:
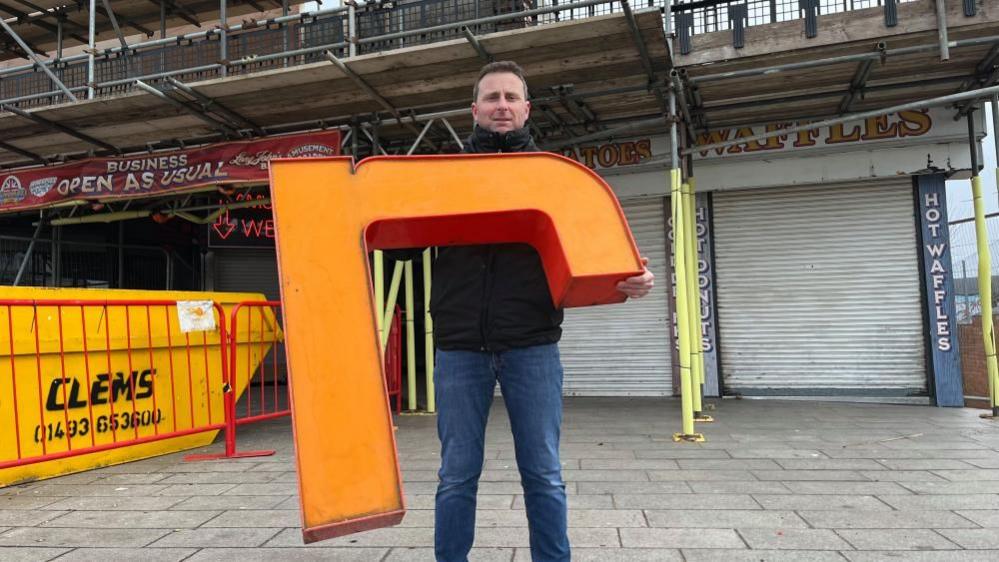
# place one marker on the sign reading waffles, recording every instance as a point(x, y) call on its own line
point(161, 172)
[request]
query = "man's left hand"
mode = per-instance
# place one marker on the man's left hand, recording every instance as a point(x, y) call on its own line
point(639, 285)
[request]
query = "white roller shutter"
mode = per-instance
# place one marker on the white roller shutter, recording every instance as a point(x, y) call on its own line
point(818, 291)
point(623, 349)
point(246, 270)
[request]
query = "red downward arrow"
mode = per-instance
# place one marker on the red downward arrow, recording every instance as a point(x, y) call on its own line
point(224, 227)
point(224, 230)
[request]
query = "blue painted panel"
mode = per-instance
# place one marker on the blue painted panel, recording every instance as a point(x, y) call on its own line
point(938, 276)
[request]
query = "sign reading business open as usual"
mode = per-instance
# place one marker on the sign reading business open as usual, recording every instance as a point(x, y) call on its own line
point(160, 172)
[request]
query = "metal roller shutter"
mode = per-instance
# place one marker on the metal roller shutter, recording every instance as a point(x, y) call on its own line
point(245, 270)
point(818, 291)
point(623, 349)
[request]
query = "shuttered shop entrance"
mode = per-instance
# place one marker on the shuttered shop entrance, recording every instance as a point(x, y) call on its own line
point(623, 349)
point(818, 291)
point(246, 270)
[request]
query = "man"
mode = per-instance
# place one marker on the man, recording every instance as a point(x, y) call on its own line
point(494, 321)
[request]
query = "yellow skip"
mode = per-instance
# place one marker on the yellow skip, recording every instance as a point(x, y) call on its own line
point(112, 374)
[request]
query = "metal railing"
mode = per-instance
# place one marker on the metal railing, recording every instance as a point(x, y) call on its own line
point(369, 27)
point(140, 377)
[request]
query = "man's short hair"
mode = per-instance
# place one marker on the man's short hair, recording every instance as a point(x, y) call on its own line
point(497, 67)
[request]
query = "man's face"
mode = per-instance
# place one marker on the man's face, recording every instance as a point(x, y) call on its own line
point(501, 106)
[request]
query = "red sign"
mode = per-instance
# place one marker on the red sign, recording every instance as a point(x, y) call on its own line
point(159, 172)
point(245, 227)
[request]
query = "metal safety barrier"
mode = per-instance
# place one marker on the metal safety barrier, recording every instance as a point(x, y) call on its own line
point(87, 376)
point(393, 362)
point(261, 366)
point(90, 376)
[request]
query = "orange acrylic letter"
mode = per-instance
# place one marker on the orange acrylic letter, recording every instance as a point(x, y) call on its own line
point(329, 215)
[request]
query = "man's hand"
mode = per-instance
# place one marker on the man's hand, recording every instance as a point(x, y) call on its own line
point(639, 285)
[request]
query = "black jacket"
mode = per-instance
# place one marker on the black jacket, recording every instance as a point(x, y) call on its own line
point(492, 297)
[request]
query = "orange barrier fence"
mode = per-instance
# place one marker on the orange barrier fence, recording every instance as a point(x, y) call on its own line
point(87, 376)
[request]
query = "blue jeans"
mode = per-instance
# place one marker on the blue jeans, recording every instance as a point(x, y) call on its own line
point(531, 381)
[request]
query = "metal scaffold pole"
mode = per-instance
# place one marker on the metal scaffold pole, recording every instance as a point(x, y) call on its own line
point(91, 45)
point(687, 433)
point(681, 258)
point(223, 39)
point(690, 276)
point(984, 272)
point(428, 329)
point(410, 340)
point(379, 275)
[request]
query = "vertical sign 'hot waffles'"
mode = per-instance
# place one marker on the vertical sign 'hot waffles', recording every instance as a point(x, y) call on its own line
point(939, 280)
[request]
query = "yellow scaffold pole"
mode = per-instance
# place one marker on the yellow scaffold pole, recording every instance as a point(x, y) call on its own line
point(682, 313)
point(379, 275)
point(696, 317)
point(982, 235)
point(984, 272)
point(690, 276)
point(428, 328)
point(393, 295)
point(410, 339)
point(985, 291)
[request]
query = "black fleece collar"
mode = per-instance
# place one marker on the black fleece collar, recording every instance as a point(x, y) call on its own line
point(485, 141)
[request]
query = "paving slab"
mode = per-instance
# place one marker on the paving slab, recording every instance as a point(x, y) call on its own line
point(743, 519)
point(982, 517)
point(821, 502)
point(426, 501)
point(477, 555)
point(628, 464)
point(289, 554)
point(29, 553)
point(896, 539)
point(202, 489)
point(973, 538)
point(810, 475)
point(738, 487)
point(933, 556)
point(74, 537)
point(216, 503)
point(692, 453)
point(252, 518)
point(929, 464)
point(718, 555)
point(793, 539)
point(776, 454)
point(25, 518)
point(854, 519)
point(126, 554)
point(681, 538)
point(685, 501)
point(219, 478)
point(949, 501)
point(26, 501)
point(840, 487)
point(901, 476)
point(829, 464)
point(132, 519)
point(577, 501)
point(673, 487)
point(216, 537)
point(610, 555)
